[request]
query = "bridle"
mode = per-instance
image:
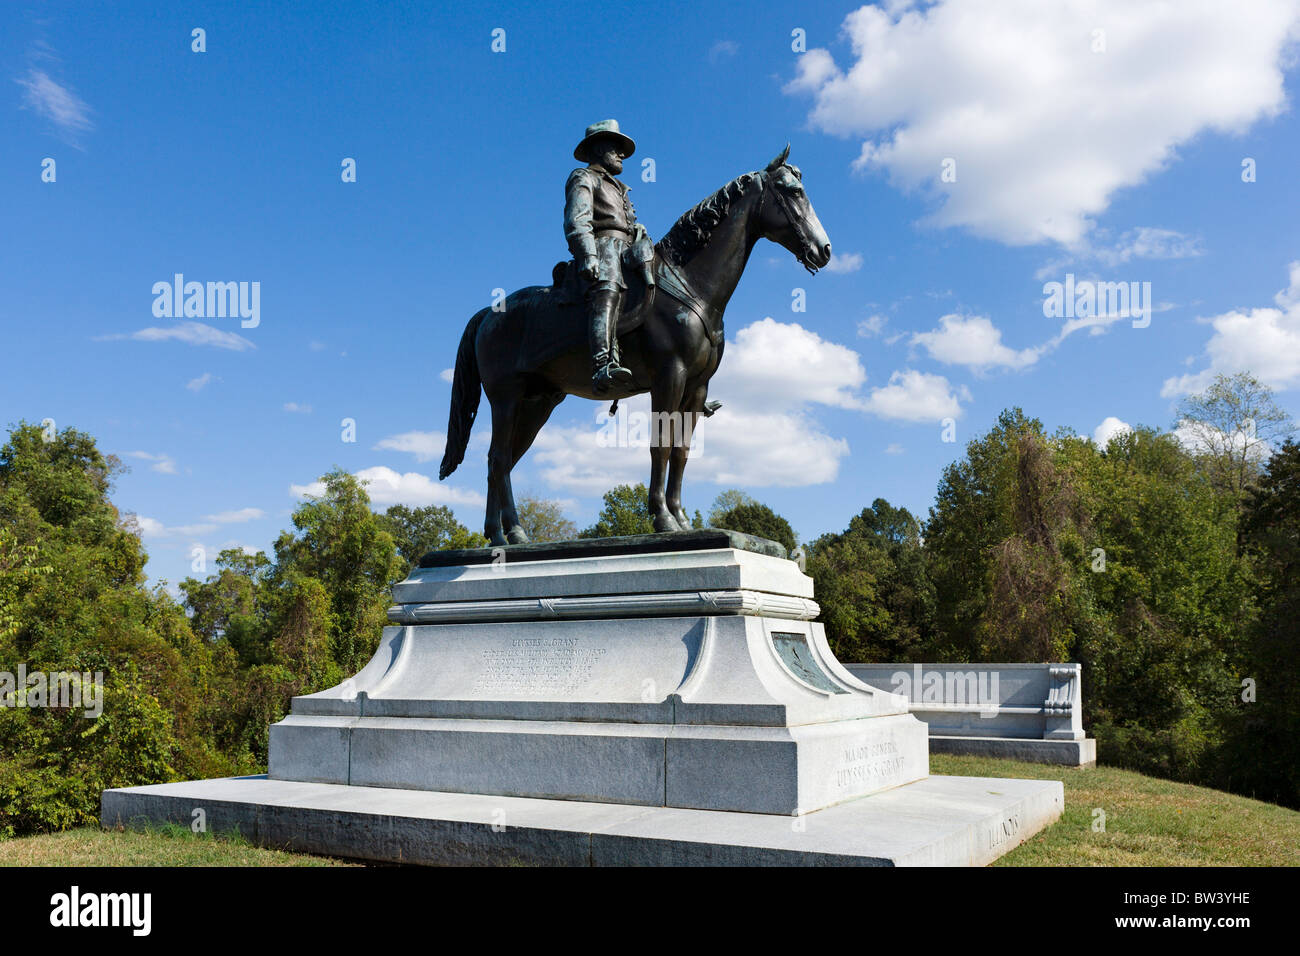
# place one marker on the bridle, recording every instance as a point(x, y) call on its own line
point(796, 222)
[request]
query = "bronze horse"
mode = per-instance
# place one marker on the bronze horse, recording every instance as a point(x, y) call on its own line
point(533, 352)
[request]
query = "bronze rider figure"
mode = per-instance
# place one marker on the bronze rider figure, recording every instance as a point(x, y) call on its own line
point(603, 235)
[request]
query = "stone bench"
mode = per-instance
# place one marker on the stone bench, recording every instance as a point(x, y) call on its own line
point(1022, 711)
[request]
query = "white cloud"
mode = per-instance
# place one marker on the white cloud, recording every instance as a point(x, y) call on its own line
point(152, 528)
point(844, 264)
point(1149, 243)
point(1263, 341)
point(816, 69)
point(1145, 242)
point(447, 375)
point(761, 449)
point(297, 408)
point(1201, 438)
point(425, 446)
point(1110, 427)
point(197, 384)
point(783, 364)
point(972, 341)
point(388, 487)
point(55, 102)
point(723, 49)
point(191, 333)
point(237, 517)
point(162, 463)
point(913, 396)
point(872, 325)
point(1043, 129)
point(894, 449)
point(737, 445)
point(583, 460)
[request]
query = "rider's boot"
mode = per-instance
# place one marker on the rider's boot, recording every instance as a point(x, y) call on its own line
point(606, 372)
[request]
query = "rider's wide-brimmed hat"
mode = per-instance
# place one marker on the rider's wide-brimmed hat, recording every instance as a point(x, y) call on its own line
point(605, 129)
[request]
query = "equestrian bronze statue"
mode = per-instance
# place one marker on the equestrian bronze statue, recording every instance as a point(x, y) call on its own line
point(538, 346)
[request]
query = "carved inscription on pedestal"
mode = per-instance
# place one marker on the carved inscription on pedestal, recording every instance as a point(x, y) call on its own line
point(869, 766)
point(533, 666)
point(1008, 829)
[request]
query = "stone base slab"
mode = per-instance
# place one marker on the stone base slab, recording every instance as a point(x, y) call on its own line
point(939, 821)
point(789, 770)
point(1069, 753)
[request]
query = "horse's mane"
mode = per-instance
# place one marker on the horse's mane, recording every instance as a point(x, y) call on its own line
point(692, 231)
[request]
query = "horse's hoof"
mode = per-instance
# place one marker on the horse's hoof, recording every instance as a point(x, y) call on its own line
point(495, 538)
point(683, 522)
point(664, 523)
point(517, 535)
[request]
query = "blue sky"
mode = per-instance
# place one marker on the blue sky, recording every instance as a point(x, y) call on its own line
point(1103, 140)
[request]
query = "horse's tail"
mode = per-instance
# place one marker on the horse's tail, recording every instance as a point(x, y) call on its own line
point(465, 388)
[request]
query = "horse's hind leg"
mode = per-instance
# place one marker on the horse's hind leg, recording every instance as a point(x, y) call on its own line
point(531, 413)
point(501, 501)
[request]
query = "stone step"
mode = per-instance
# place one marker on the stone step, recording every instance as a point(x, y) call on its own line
point(939, 821)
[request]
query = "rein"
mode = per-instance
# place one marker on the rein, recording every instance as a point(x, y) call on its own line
point(675, 286)
point(795, 222)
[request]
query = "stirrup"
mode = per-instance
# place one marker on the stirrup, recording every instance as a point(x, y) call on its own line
point(608, 376)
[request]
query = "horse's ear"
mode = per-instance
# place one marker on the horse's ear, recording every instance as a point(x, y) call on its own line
point(780, 160)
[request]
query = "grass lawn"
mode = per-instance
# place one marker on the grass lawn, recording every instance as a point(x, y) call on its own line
point(1148, 822)
point(165, 846)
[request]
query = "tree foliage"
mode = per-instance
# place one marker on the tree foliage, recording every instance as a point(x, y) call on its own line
point(544, 520)
point(874, 588)
point(626, 511)
point(1230, 426)
point(755, 518)
point(417, 531)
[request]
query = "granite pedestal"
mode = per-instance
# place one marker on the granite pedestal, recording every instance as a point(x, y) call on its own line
point(670, 698)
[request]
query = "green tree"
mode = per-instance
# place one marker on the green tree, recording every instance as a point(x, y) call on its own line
point(1048, 548)
point(974, 512)
point(873, 586)
point(1230, 426)
point(1264, 750)
point(757, 519)
point(75, 600)
point(727, 500)
point(544, 520)
point(626, 511)
point(345, 546)
point(417, 531)
point(231, 605)
point(18, 568)
point(1161, 634)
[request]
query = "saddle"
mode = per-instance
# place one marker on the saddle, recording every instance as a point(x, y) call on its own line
point(552, 319)
point(569, 290)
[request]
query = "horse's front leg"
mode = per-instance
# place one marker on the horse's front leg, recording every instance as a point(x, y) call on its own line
point(680, 451)
point(665, 395)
